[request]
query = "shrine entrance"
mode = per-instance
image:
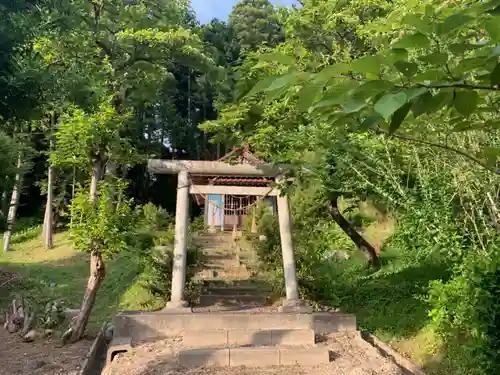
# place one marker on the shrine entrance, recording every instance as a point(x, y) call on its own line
point(228, 190)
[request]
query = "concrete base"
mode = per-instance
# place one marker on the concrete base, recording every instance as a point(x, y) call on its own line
point(245, 338)
point(254, 357)
point(177, 307)
point(118, 345)
point(144, 325)
point(296, 306)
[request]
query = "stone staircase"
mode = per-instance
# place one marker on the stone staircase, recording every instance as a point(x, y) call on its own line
point(234, 324)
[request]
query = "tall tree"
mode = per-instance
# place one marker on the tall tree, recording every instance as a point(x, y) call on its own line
point(255, 23)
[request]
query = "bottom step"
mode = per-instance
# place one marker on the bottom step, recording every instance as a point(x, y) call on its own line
point(254, 357)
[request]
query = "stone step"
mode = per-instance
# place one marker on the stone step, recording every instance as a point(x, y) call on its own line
point(254, 357)
point(231, 291)
point(242, 337)
point(146, 325)
point(238, 299)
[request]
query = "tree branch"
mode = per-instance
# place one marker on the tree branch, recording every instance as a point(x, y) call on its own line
point(443, 147)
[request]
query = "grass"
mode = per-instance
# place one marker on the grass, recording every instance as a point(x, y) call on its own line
point(391, 303)
point(61, 273)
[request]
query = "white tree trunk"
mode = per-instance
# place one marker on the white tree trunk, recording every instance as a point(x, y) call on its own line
point(14, 203)
point(48, 225)
point(97, 174)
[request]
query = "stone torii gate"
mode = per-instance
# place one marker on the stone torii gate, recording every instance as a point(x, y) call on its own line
point(185, 169)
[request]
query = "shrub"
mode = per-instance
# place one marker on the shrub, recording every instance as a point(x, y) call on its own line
point(157, 275)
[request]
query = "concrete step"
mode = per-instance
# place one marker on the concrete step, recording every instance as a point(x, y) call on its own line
point(254, 357)
point(238, 299)
point(231, 291)
point(242, 337)
point(145, 325)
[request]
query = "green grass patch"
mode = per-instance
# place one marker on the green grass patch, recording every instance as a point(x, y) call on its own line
point(61, 273)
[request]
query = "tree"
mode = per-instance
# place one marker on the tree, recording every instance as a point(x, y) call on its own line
point(255, 23)
point(126, 53)
point(102, 232)
point(432, 66)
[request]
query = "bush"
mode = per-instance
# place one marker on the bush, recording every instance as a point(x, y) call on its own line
point(157, 275)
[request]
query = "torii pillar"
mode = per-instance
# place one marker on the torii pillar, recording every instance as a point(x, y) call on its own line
point(292, 302)
point(179, 267)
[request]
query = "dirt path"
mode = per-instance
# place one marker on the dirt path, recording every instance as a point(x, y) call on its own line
point(41, 357)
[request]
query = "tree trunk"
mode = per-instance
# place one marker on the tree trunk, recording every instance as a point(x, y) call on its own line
point(97, 174)
point(79, 323)
point(14, 203)
point(48, 222)
point(360, 242)
point(97, 269)
point(5, 198)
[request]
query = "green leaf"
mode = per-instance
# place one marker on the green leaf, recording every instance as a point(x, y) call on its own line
point(442, 99)
point(308, 95)
point(415, 92)
point(436, 58)
point(366, 64)
point(390, 103)
point(372, 88)
point(398, 117)
point(461, 48)
point(492, 26)
point(466, 102)
point(453, 22)
point(261, 86)
point(407, 68)
point(467, 65)
point(399, 54)
point(429, 75)
point(369, 122)
point(354, 105)
point(495, 52)
point(415, 20)
point(417, 40)
point(278, 57)
point(330, 71)
point(495, 76)
point(284, 81)
point(422, 104)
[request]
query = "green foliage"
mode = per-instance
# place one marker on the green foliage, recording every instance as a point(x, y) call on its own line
point(103, 226)
point(158, 262)
point(255, 22)
point(156, 218)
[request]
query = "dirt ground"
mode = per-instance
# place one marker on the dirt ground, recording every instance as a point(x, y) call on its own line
point(41, 357)
point(350, 355)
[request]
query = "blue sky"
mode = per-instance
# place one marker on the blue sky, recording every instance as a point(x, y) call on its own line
point(208, 9)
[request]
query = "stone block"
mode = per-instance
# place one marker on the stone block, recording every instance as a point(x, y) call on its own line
point(202, 339)
point(243, 337)
point(254, 357)
point(204, 358)
point(304, 356)
point(214, 299)
point(292, 337)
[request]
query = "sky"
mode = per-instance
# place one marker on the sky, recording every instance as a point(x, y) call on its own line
point(208, 9)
